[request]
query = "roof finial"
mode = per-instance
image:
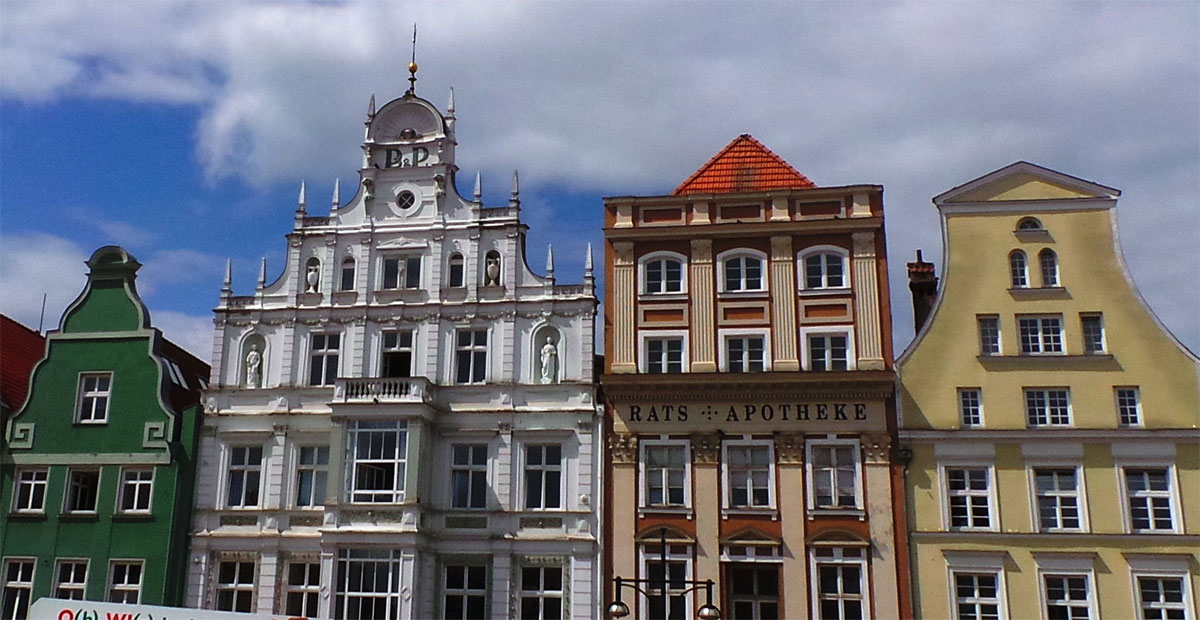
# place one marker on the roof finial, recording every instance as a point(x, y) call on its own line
point(227, 284)
point(371, 108)
point(412, 65)
point(262, 273)
point(478, 188)
point(549, 260)
point(515, 200)
point(301, 204)
point(337, 193)
point(450, 108)
point(587, 262)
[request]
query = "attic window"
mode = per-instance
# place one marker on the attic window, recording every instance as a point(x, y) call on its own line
point(406, 200)
point(408, 134)
point(1029, 223)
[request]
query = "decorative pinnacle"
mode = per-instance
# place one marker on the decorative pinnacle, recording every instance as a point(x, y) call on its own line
point(412, 65)
point(550, 260)
point(478, 190)
point(337, 193)
point(515, 200)
point(587, 262)
point(450, 108)
point(262, 273)
point(227, 284)
point(371, 108)
point(301, 203)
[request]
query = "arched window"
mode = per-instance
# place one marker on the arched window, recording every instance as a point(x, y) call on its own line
point(824, 267)
point(312, 275)
point(1019, 269)
point(1029, 223)
point(347, 281)
point(1049, 262)
point(742, 270)
point(491, 269)
point(456, 278)
point(663, 273)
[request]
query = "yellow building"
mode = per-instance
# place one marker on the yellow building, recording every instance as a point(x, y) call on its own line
point(1052, 419)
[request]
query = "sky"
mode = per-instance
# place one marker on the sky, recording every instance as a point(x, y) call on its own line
point(182, 131)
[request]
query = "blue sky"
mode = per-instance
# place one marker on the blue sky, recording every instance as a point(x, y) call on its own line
point(182, 130)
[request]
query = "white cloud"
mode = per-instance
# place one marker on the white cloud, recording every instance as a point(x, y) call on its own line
point(32, 265)
point(193, 333)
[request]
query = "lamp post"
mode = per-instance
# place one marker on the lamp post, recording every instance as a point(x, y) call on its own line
point(618, 608)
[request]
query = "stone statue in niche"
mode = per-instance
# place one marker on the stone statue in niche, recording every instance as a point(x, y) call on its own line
point(253, 367)
point(549, 361)
point(492, 270)
point(313, 277)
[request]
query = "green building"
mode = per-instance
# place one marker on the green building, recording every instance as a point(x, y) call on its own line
point(98, 465)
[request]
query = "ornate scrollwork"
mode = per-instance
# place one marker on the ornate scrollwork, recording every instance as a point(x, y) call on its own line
point(623, 447)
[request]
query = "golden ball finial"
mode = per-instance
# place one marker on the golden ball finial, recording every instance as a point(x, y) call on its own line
point(412, 67)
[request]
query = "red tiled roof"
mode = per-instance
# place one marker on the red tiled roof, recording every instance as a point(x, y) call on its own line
point(20, 349)
point(744, 165)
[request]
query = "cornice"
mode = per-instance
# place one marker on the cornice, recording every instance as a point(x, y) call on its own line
point(811, 193)
point(863, 384)
point(746, 229)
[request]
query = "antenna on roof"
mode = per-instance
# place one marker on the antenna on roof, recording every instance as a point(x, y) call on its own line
point(412, 65)
point(42, 317)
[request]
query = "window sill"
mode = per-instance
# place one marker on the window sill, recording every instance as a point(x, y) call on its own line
point(859, 513)
point(673, 296)
point(79, 516)
point(345, 297)
point(91, 422)
point(1095, 361)
point(765, 511)
point(744, 295)
point(683, 511)
point(27, 516)
point(1030, 235)
point(1046, 292)
point(826, 292)
point(135, 517)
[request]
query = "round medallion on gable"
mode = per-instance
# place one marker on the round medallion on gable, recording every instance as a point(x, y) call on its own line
point(405, 200)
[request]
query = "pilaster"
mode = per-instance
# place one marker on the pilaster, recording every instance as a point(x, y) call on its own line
point(623, 302)
point(877, 466)
point(624, 451)
point(706, 457)
point(783, 304)
point(789, 453)
point(866, 303)
point(700, 280)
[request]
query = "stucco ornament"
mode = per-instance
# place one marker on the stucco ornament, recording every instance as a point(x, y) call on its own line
point(549, 361)
point(314, 276)
point(492, 271)
point(253, 367)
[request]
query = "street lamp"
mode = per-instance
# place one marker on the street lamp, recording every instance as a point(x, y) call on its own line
point(618, 608)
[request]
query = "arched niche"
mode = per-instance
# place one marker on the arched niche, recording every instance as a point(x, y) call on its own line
point(547, 354)
point(312, 275)
point(252, 361)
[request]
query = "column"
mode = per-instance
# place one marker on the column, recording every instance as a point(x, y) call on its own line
point(783, 305)
point(884, 592)
point(866, 303)
point(700, 281)
point(706, 502)
point(793, 515)
point(623, 302)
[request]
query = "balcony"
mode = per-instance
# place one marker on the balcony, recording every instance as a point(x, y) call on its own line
point(384, 390)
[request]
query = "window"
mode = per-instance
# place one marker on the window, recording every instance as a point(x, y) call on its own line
point(302, 592)
point(18, 587)
point(1148, 492)
point(378, 456)
point(347, 281)
point(1018, 269)
point(125, 581)
point(1048, 406)
point(30, 494)
point(970, 406)
point(543, 476)
point(662, 274)
point(1129, 406)
point(824, 269)
point(665, 469)
point(245, 469)
point(664, 355)
point(745, 354)
point(235, 586)
point(468, 476)
point(396, 359)
point(323, 368)
point(749, 473)
point(402, 273)
point(471, 356)
point(312, 473)
point(753, 591)
point(95, 388)
point(1162, 597)
point(742, 273)
point(976, 596)
point(828, 351)
point(1058, 505)
point(137, 488)
point(457, 277)
point(405, 200)
point(840, 591)
point(969, 498)
point(465, 590)
point(1067, 596)
point(834, 474)
point(541, 592)
point(70, 579)
point(669, 602)
point(989, 335)
point(1092, 326)
point(1049, 263)
point(82, 487)
point(1029, 223)
point(1040, 334)
point(368, 584)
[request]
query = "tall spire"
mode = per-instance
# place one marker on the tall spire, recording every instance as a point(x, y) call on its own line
point(337, 194)
point(227, 284)
point(515, 199)
point(450, 107)
point(478, 188)
point(371, 108)
point(301, 203)
point(589, 278)
point(262, 273)
point(412, 65)
point(549, 260)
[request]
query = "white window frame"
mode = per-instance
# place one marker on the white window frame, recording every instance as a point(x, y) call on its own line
point(386, 559)
point(247, 471)
point(541, 594)
point(403, 276)
point(348, 263)
point(303, 590)
point(742, 253)
point(69, 494)
point(725, 335)
point(471, 469)
point(944, 492)
point(811, 475)
point(324, 353)
point(644, 349)
point(1018, 275)
point(66, 589)
point(472, 349)
point(25, 586)
point(138, 490)
point(1121, 404)
point(87, 399)
point(662, 256)
point(727, 474)
point(1088, 574)
point(34, 482)
point(237, 586)
point(808, 332)
point(1032, 467)
point(1046, 341)
point(1158, 566)
point(1055, 281)
point(1084, 318)
point(1171, 494)
point(319, 488)
point(977, 563)
point(398, 347)
point(839, 559)
point(823, 250)
point(976, 416)
point(991, 320)
point(644, 475)
point(398, 461)
point(756, 600)
point(676, 552)
point(1048, 415)
point(544, 469)
point(112, 586)
point(462, 270)
point(466, 591)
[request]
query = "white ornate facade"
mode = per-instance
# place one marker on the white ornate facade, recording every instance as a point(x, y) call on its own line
point(403, 425)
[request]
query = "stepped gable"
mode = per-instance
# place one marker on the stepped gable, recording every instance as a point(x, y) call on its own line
point(744, 165)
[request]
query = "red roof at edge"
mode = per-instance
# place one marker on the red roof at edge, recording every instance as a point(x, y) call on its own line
point(744, 165)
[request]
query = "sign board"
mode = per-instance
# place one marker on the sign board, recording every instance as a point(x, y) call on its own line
point(62, 609)
point(753, 417)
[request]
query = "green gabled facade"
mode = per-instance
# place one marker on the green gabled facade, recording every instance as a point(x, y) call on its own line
point(98, 466)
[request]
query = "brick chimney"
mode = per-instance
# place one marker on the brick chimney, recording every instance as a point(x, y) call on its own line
point(923, 284)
